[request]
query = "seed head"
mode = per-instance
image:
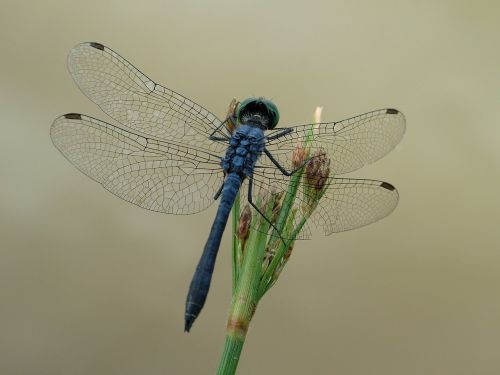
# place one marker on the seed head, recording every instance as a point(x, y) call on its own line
point(277, 206)
point(315, 178)
point(231, 112)
point(244, 223)
point(299, 155)
point(317, 117)
point(317, 170)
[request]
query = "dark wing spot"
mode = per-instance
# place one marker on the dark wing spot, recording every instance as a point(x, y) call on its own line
point(392, 111)
point(387, 186)
point(73, 116)
point(97, 45)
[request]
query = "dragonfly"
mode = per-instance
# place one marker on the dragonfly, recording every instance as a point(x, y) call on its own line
point(168, 154)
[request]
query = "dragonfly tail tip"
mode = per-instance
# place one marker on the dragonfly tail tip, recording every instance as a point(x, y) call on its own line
point(188, 324)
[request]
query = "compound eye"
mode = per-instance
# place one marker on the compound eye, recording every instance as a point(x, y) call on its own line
point(274, 114)
point(243, 106)
point(260, 107)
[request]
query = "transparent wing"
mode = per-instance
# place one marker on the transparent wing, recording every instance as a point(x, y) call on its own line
point(346, 204)
point(136, 101)
point(151, 173)
point(349, 143)
point(353, 203)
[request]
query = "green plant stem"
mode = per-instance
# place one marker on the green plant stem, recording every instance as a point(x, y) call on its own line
point(236, 243)
point(230, 355)
point(243, 305)
point(276, 240)
point(267, 283)
point(244, 301)
point(250, 280)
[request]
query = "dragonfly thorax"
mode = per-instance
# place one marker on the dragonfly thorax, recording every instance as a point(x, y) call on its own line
point(245, 147)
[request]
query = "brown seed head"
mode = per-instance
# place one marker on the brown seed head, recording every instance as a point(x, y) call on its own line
point(299, 155)
point(277, 206)
point(315, 177)
point(244, 223)
point(231, 111)
point(318, 170)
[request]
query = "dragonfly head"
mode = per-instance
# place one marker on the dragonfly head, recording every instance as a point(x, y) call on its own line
point(259, 112)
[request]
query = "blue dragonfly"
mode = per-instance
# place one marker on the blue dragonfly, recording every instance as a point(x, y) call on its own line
point(168, 154)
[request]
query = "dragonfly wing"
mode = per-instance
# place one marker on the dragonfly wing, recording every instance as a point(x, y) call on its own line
point(346, 204)
point(350, 203)
point(151, 173)
point(136, 101)
point(350, 143)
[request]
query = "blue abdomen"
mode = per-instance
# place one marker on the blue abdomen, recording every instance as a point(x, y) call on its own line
point(200, 284)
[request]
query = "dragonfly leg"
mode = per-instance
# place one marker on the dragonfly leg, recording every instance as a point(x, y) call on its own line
point(250, 200)
point(219, 192)
point(225, 138)
point(278, 165)
point(281, 168)
point(280, 134)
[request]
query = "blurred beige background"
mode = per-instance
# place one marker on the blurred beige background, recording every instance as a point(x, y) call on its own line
point(90, 284)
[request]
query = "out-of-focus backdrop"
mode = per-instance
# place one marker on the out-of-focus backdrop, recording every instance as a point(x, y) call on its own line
point(90, 284)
